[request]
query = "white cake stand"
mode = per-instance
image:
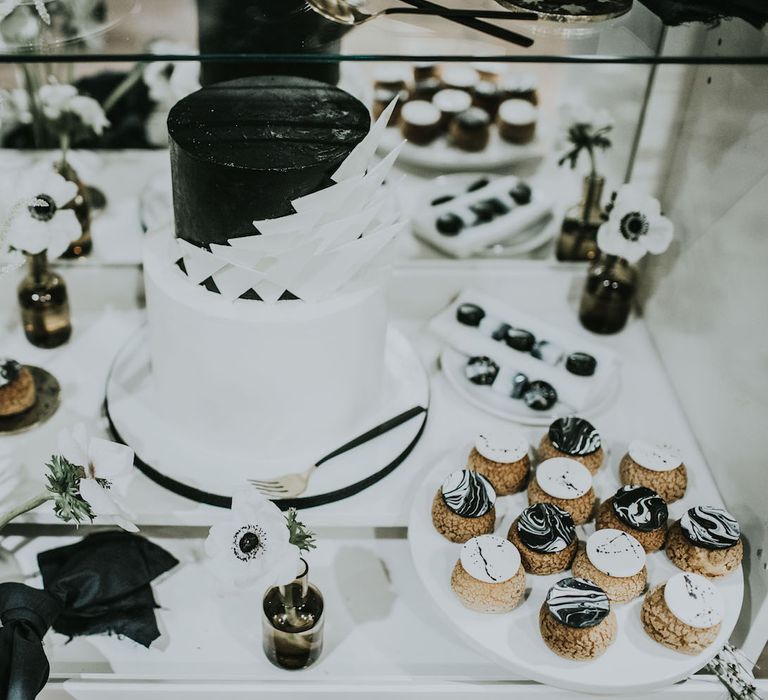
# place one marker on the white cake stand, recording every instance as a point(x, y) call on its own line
point(174, 459)
point(633, 664)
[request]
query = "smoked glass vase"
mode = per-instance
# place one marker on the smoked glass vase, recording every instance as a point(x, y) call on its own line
point(608, 295)
point(292, 623)
point(44, 304)
point(577, 241)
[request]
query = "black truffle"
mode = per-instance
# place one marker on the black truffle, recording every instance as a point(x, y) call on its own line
point(478, 184)
point(442, 200)
point(501, 332)
point(520, 339)
point(481, 370)
point(449, 224)
point(470, 314)
point(521, 193)
point(581, 364)
point(483, 210)
point(540, 396)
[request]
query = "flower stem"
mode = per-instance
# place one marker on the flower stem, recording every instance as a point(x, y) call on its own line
point(122, 88)
point(29, 505)
point(64, 144)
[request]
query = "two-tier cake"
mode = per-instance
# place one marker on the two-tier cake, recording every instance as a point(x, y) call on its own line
point(266, 305)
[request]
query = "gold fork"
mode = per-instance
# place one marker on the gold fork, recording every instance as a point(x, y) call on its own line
point(293, 485)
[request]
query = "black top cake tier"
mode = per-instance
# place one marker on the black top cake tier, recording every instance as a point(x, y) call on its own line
point(243, 150)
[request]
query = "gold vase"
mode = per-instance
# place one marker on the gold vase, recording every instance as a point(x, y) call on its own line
point(578, 236)
point(292, 623)
point(44, 304)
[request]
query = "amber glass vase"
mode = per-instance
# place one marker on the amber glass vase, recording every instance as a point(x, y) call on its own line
point(82, 246)
point(608, 295)
point(292, 623)
point(44, 304)
point(577, 241)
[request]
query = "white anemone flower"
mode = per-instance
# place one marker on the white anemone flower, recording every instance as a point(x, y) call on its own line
point(32, 214)
point(251, 547)
point(55, 98)
point(108, 468)
point(635, 226)
point(89, 112)
point(170, 81)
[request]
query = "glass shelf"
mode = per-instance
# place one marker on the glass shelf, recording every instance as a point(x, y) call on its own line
point(122, 31)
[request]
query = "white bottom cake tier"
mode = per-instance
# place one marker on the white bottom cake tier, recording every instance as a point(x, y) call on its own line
point(248, 379)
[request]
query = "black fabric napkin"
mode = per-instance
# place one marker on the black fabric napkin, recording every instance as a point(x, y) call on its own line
point(98, 585)
point(675, 12)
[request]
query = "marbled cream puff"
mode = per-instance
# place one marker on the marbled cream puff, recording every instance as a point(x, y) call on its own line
point(545, 536)
point(638, 510)
point(575, 438)
point(464, 506)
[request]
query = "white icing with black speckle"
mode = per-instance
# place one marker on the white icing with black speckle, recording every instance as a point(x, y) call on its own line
point(468, 493)
point(504, 447)
point(710, 527)
point(692, 599)
point(564, 478)
point(9, 370)
point(546, 528)
point(656, 457)
point(640, 508)
point(615, 553)
point(574, 436)
point(490, 558)
point(578, 603)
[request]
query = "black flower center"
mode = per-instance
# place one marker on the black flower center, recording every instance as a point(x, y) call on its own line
point(248, 542)
point(634, 225)
point(167, 72)
point(43, 208)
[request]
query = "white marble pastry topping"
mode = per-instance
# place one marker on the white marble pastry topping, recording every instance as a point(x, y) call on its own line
point(519, 82)
point(615, 553)
point(490, 558)
point(503, 447)
point(692, 599)
point(468, 493)
point(390, 73)
point(518, 112)
point(420, 113)
point(656, 457)
point(565, 478)
point(462, 77)
point(452, 100)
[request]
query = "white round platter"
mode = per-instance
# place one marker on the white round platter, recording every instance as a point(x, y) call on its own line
point(452, 363)
point(441, 155)
point(634, 663)
point(520, 243)
point(138, 418)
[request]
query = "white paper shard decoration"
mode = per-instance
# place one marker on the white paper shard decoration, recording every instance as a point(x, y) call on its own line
point(336, 235)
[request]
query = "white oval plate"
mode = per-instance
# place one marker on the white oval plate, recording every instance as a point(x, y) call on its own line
point(634, 663)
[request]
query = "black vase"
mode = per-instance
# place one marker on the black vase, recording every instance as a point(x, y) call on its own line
point(44, 304)
point(608, 295)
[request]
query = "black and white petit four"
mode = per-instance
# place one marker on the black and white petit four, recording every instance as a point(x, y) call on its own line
point(488, 576)
point(575, 438)
point(545, 536)
point(464, 506)
point(540, 395)
point(581, 364)
point(684, 614)
point(615, 561)
point(565, 483)
point(458, 77)
point(638, 510)
point(451, 103)
point(706, 541)
point(420, 122)
point(517, 121)
point(657, 466)
point(502, 457)
point(470, 314)
point(576, 620)
point(470, 131)
point(481, 370)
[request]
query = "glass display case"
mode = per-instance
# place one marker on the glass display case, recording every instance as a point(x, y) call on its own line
point(510, 211)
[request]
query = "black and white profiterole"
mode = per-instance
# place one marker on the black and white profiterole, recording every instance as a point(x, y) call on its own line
point(238, 155)
point(574, 436)
point(640, 507)
point(578, 603)
point(468, 493)
point(546, 528)
point(710, 527)
point(481, 370)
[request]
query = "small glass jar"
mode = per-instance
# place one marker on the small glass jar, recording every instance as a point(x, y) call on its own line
point(578, 236)
point(44, 304)
point(83, 245)
point(608, 295)
point(292, 623)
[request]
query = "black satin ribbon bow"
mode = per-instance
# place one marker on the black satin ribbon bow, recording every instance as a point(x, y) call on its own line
point(96, 586)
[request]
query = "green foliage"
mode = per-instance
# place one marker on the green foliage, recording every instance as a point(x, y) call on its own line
point(299, 535)
point(584, 137)
point(64, 487)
